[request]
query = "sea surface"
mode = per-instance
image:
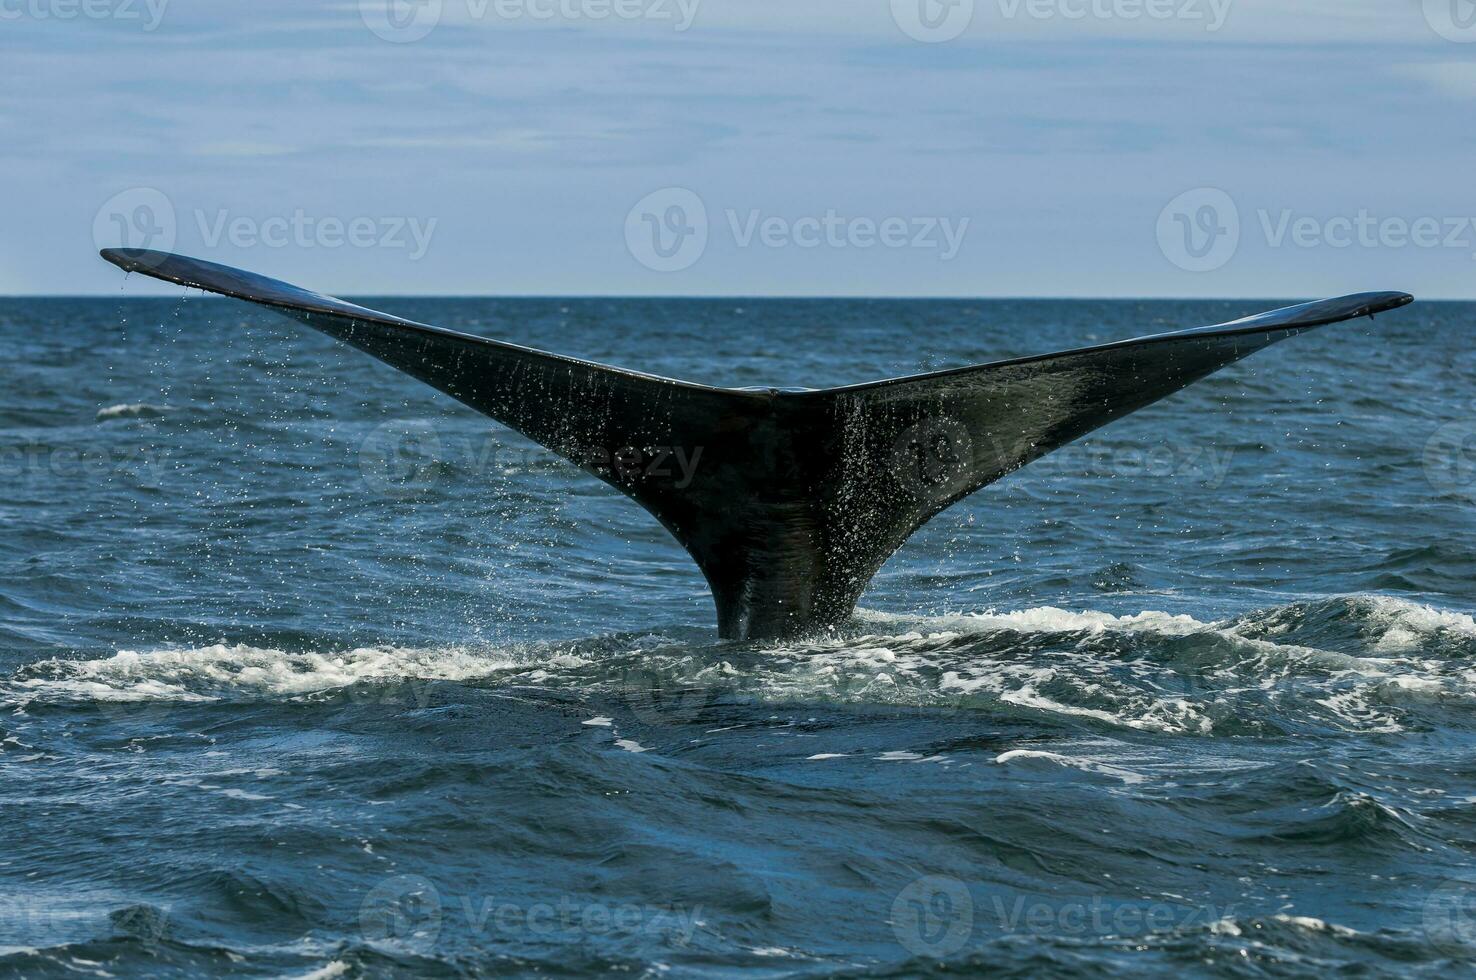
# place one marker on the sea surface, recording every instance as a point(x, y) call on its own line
point(308, 671)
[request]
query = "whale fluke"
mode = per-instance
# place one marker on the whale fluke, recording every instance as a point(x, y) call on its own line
point(789, 501)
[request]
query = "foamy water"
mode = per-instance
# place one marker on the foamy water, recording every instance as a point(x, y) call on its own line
point(1144, 671)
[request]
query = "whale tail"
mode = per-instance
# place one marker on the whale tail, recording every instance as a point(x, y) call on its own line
point(789, 501)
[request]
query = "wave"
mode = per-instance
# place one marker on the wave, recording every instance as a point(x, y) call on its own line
point(1350, 663)
point(220, 671)
point(132, 410)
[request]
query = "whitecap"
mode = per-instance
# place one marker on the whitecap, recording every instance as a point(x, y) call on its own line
point(1088, 765)
point(210, 672)
point(132, 410)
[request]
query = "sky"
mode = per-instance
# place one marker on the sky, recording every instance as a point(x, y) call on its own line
point(1187, 148)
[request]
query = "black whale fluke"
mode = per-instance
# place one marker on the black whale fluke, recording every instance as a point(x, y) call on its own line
point(789, 501)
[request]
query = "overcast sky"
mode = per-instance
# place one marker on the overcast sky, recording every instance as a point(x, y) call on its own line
point(741, 147)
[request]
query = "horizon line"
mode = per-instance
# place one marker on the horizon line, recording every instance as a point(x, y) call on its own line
point(198, 294)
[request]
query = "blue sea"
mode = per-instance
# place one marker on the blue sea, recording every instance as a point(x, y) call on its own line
point(308, 671)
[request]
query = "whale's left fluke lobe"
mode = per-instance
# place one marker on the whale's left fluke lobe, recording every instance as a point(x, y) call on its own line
point(788, 501)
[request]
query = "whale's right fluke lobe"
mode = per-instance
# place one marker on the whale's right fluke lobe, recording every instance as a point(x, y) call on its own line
point(788, 501)
point(958, 430)
point(905, 449)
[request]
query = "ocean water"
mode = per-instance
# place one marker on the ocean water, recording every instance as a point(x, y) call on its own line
point(305, 670)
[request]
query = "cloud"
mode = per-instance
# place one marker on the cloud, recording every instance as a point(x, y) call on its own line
point(1452, 79)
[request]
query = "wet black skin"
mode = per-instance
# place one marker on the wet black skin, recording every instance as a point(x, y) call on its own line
point(789, 501)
